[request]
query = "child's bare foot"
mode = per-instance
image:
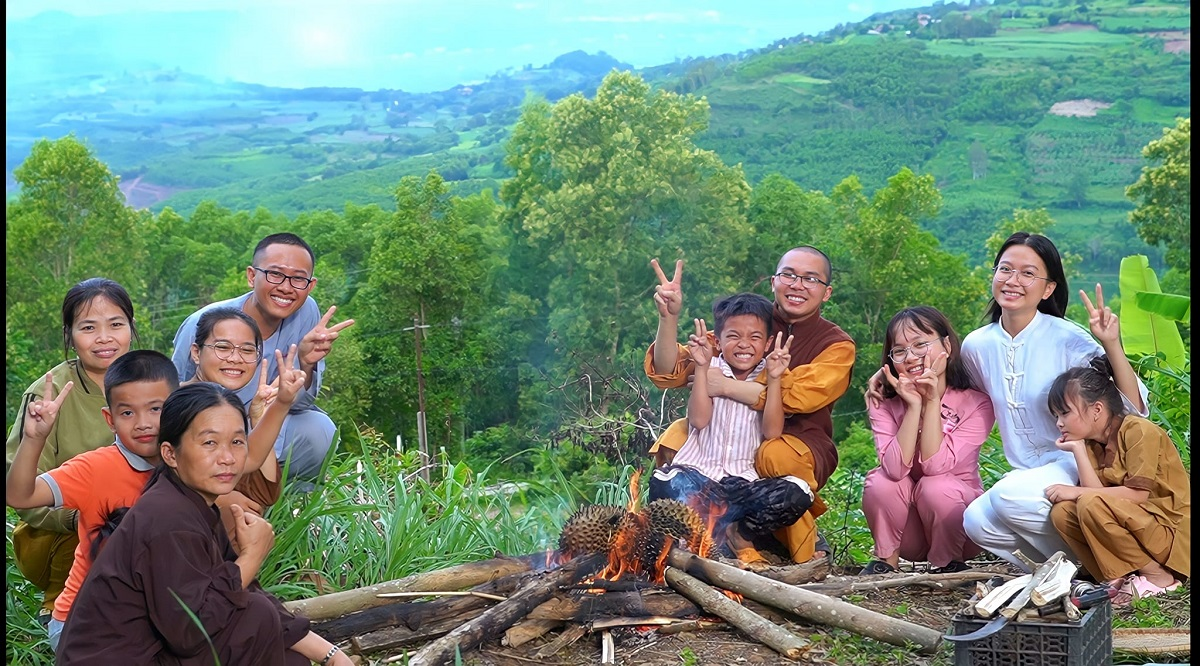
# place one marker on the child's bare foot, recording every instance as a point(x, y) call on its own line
point(744, 549)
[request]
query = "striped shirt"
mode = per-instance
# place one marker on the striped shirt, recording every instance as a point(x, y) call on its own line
point(727, 446)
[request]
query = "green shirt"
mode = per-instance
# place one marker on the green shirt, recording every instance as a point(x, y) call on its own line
point(80, 427)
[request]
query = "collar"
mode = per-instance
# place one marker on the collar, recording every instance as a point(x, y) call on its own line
point(135, 461)
point(210, 512)
point(728, 371)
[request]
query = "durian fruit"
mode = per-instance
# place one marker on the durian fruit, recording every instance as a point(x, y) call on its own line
point(590, 529)
point(675, 519)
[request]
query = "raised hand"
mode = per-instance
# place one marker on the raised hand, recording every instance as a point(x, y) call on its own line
point(779, 358)
point(668, 294)
point(291, 378)
point(40, 415)
point(265, 394)
point(699, 346)
point(315, 344)
point(1101, 320)
point(904, 387)
point(931, 383)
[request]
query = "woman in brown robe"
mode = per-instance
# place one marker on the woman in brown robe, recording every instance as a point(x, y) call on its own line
point(168, 588)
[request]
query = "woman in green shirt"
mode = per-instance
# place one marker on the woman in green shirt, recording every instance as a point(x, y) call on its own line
point(97, 325)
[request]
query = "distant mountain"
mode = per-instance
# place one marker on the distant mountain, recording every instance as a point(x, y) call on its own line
point(588, 65)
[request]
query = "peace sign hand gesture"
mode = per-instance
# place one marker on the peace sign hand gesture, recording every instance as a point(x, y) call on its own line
point(40, 415)
point(1101, 320)
point(699, 346)
point(316, 344)
point(668, 294)
point(291, 378)
point(931, 383)
point(903, 386)
point(779, 358)
point(264, 396)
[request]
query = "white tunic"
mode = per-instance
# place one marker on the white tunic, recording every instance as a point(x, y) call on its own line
point(1016, 373)
point(727, 446)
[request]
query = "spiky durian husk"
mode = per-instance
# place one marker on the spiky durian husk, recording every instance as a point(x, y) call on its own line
point(675, 519)
point(590, 529)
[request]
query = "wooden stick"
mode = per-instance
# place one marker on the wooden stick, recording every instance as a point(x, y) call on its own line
point(692, 625)
point(941, 581)
point(495, 620)
point(441, 593)
point(608, 649)
point(527, 630)
point(578, 608)
point(610, 622)
point(795, 574)
point(569, 635)
point(807, 604)
point(461, 576)
point(987, 606)
point(1018, 602)
point(748, 622)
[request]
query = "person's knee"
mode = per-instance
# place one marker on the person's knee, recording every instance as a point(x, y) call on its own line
point(879, 487)
point(976, 518)
point(941, 495)
point(1062, 514)
point(307, 439)
point(1093, 511)
point(775, 457)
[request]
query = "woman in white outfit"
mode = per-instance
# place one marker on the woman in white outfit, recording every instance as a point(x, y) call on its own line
point(1014, 360)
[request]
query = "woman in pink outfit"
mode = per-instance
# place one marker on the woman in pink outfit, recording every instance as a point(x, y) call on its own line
point(928, 432)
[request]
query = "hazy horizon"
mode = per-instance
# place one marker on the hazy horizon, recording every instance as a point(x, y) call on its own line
point(369, 44)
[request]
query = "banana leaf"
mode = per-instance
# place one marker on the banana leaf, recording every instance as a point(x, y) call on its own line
point(1144, 331)
point(1172, 306)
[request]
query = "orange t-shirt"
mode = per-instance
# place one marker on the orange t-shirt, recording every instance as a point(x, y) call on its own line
point(94, 483)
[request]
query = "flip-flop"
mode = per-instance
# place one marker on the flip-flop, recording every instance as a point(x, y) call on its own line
point(822, 546)
point(1142, 587)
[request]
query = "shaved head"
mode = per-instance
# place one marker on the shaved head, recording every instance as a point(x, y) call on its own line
point(785, 260)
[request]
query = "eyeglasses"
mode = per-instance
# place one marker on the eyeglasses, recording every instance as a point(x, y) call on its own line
point(226, 350)
point(917, 349)
point(1024, 278)
point(807, 281)
point(275, 277)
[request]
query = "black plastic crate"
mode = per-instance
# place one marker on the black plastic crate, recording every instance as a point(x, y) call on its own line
point(1087, 642)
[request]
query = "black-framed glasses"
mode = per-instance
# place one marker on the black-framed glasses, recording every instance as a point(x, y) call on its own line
point(807, 281)
point(917, 349)
point(275, 277)
point(1024, 278)
point(225, 351)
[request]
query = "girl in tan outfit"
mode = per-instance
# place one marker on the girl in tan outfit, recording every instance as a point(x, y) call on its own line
point(1129, 519)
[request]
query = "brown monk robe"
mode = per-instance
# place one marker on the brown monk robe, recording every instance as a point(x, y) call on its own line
point(171, 559)
point(1113, 537)
point(822, 358)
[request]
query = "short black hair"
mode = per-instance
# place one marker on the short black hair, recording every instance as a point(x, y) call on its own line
point(285, 238)
point(209, 320)
point(139, 365)
point(746, 303)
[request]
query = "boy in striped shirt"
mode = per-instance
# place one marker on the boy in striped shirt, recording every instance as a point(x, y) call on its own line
point(714, 469)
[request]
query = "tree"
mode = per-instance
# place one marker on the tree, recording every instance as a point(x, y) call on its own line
point(1162, 199)
point(600, 187)
point(68, 223)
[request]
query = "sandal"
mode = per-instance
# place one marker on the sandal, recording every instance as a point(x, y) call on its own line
point(1142, 587)
point(877, 567)
point(954, 566)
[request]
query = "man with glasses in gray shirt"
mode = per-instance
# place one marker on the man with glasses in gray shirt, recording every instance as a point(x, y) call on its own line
point(280, 280)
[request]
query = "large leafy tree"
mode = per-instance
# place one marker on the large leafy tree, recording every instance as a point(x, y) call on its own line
point(601, 186)
point(69, 222)
point(1163, 201)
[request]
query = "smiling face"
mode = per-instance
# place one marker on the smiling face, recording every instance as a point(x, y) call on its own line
point(234, 372)
point(917, 348)
point(1011, 295)
point(100, 333)
point(801, 301)
point(743, 341)
point(212, 454)
point(275, 302)
point(133, 412)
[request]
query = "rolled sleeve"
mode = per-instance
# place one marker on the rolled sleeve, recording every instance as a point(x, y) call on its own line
point(1141, 452)
point(679, 374)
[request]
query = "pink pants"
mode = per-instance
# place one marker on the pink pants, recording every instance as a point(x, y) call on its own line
point(923, 519)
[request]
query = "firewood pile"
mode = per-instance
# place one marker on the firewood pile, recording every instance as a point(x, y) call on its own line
point(615, 567)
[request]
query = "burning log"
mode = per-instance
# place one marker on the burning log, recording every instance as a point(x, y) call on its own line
point(337, 604)
point(809, 605)
point(414, 615)
point(505, 614)
point(748, 622)
point(401, 636)
point(579, 609)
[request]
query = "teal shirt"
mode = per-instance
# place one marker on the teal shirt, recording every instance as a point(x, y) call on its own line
point(80, 427)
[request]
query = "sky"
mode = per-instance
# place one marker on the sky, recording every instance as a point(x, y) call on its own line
point(424, 46)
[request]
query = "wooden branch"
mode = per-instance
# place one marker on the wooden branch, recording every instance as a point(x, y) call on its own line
point(757, 627)
point(401, 636)
point(495, 620)
point(577, 609)
point(569, 635)
point(843, 586)
point(527, 630)
point(610, 622)
point(987, 606)
point(1022, 599)
point(457, 577)
point(809, 605)
point(1056, 584)
point(795, 574)
point(414, 615)
point(692, 625)
point(440, 593)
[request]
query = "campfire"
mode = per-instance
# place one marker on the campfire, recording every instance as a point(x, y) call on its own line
point(648, 567)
